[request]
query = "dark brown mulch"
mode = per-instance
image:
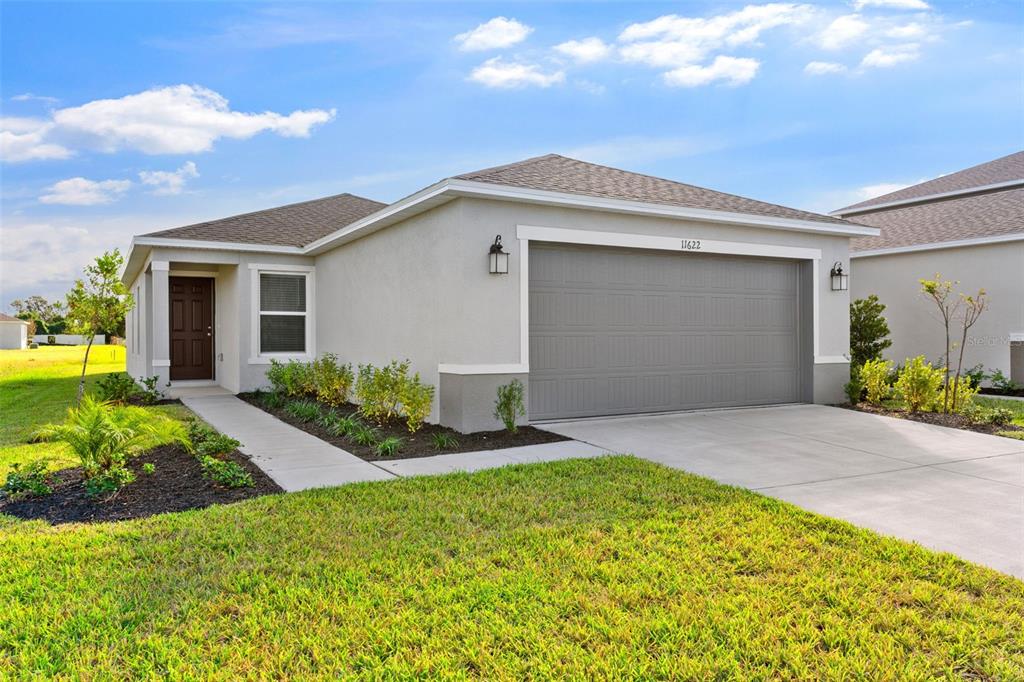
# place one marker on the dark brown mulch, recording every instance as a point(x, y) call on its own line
point(176, 485)
point(985, 390)
point(953, 421)
point(419, 444)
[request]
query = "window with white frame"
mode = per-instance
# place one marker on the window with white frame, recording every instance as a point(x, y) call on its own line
point(283, 312)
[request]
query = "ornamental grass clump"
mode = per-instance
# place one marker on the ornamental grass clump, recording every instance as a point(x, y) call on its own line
point(510, 404)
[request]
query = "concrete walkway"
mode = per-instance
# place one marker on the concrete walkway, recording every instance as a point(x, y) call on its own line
point(293, 458)
point(951, 490)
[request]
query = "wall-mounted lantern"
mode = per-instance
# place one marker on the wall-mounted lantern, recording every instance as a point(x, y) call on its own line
point(498, 258)
point(840, 280)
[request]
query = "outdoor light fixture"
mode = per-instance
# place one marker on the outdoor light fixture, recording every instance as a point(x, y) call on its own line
point(498, 258)
point(840, 280)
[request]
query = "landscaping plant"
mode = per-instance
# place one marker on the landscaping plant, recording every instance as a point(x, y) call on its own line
point(973, 307)
point(869, 331)
point(1003, 383)
point(149, 468)
point(444, 441)
point(148, 392)
point(225, 473)
point(363, 435)
point(388, 447)
point(97, 303)
point(292, 378)
point(510, 406)
point(875, 376)
point(976, 375)
point(920, 385)
point(117, 387)
point(32, 481)
point(331, 381)
point(303, 410)
point(854, 388)
point(344, 426)
point(967, 309)
point(378, 390)
point(215, 444)
point(416, 399)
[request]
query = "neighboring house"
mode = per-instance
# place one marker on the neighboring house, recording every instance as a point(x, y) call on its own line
point(967, 226)
point(624, 293)
point(13, 332)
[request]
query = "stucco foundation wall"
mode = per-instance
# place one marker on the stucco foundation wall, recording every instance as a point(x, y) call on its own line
point(914, 321)
point(467, 400)
point(421, 289)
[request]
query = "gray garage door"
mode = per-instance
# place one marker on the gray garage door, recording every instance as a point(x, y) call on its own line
point(618, 331)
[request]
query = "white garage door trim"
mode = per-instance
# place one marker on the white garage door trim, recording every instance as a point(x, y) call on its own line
point(528, 233)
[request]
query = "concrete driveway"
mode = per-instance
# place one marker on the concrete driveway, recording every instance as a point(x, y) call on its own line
point(950, 490)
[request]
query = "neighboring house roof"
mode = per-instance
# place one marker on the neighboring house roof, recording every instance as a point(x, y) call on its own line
point(1002, 170)
point(4, 317)
point(561, 174)
point(984, 203)
point(291, 225)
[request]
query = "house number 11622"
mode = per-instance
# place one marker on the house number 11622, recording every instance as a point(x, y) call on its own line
point(691, 245)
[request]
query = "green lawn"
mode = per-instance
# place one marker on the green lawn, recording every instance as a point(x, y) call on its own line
point(1015, 406)
point(37, 386)
point(609, 568)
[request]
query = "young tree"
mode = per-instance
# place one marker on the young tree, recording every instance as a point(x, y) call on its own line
point(868, 330)
point(97, 302)
point(37, 309)
point(941, 293)
point(973, 307)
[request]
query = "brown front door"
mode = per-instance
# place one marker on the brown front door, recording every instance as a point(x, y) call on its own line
point(191, 328)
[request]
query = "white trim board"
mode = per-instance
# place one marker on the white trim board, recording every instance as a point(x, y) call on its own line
point(468, 370)
point(215, 246)
point(843, 212)
point(978, 241)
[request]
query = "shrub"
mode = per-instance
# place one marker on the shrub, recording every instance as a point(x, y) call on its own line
point(149, 393)
point(117, 387)
point(965, 393)
point(854, 388)
point(303, 410)
point(104, 436)
point(1002, 382)
point(331, 381)
point(32, 481)
point(108, 482)
point(273, 400)
point(225, 473)
point(378, 390)
point(198, 432)
point(976, 375)
point(509, 405)
point(388, 447)
point(996, 416)
point(149, 468)
point(875, 375)
point(416, 398)
point(868, 330)
point(216, 445)
point(444, 441)
point(919, 384)
point(292, 378)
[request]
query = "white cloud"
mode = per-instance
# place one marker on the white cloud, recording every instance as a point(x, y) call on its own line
point(892, 4)
point(497, 73)
point(731, 70)
point(497, 33)
point(590, 87)
point(871, 191)
point(179, 119)
point(823, 68)
point(85, 192)
point(584, 51)
point(29, 97)
point(843, 31)
point(169, 182)
point(23, 139)
point(885, 57)
point(907, 31)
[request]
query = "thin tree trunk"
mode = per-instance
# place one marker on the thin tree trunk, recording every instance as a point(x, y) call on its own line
point(959, 367)
point(85, 362)
point(945, 385)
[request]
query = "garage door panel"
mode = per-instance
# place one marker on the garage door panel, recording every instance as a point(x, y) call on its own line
point(620, 331)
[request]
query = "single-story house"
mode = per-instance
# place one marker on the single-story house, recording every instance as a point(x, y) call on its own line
point(967, 226)
point(13, 332)
point(604, 291)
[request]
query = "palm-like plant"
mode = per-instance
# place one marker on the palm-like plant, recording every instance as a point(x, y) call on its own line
point(103, 436)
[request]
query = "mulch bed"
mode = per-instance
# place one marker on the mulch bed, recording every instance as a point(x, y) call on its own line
point(419, 444)
point(954, 421)
point(1019, 393)
point(176, 485)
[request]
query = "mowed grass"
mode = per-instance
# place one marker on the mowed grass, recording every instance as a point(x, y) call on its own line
point(610, 568)
point(37, 386)
point(1015, 406)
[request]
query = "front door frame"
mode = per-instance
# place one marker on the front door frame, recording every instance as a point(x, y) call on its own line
point(212, 277)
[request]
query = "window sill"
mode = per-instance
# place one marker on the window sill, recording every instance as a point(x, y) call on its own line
point(284, 357)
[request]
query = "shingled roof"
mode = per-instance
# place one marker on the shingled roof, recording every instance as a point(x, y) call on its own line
point(556, 173)
point(4, 317)
point(1004, 169)
point(292, 225)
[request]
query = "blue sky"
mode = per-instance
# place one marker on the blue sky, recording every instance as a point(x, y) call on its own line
point(125, 118)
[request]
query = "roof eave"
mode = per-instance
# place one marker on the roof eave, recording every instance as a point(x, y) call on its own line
point(935, 246)
point(980, 189)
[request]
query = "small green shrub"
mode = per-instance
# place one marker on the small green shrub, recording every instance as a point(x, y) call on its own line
point(148, 392)
point(363, 435)
point(1002, 382)
point(198, 432)
point(997, 416)
point(854, 388)
point(273, 400)
point(919, 384)
point(32, 481)
point(378, 390)
point(869, 331)
point(509, 406)
point(216, 445)
point(226, 473)
point(965, 393)
point(304, 410)
point(331, 381)
point(417, 398)
point(875, 375)
point(976, 375)
point(108, 482)
point(388, 447)
point(149, 468)
point(444, 441)
point(117, 387)
point(292, 378)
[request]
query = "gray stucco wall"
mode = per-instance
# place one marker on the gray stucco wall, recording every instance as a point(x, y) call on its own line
point(467, 401)
point(916, 327)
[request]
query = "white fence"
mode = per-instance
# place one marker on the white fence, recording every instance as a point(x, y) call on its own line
point(68, 339)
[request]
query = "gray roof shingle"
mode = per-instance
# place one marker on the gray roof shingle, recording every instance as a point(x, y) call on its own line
point(1004, 169)
point(291, 225)
point(556, 173)
point(4, 317)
